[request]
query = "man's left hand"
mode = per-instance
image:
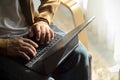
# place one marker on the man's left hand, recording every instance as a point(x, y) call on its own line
point(43, 32)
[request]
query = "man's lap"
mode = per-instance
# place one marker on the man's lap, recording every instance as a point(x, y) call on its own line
point(70, 66)
point(69, 69)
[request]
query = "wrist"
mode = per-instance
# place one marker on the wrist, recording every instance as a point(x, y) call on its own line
point(37, 19)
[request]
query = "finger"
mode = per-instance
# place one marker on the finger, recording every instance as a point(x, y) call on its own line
point(37, 32)
point(28, 51)
point(24, 55)
point(31, 33)
point(35, 45)
point(29, 48)
point(52, 34)
point(43, 34)
point(48, 36)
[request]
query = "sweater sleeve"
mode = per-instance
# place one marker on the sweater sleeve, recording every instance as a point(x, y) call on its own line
point(3, 46)
point(47, 10)
point(3, 43)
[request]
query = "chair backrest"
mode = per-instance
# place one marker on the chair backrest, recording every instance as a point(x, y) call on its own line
point(77, 16)
point(75, 10)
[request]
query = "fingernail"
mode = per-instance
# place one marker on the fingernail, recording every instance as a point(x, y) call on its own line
point(52, 38)
point(47, 42)
point(37, 46)
point(35, 54)
point(28, 58)
point(38, 39)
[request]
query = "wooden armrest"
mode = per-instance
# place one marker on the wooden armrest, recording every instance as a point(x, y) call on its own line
point(75, 11)
point(78, 18)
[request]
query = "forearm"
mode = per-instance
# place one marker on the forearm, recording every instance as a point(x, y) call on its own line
point(47, 10)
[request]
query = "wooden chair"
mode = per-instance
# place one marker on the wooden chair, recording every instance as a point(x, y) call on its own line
point(78, 18)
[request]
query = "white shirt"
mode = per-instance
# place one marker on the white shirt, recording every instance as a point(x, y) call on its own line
point(12, 21)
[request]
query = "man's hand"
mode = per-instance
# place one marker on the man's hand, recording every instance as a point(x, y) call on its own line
point(43, 32)
point(21, 47)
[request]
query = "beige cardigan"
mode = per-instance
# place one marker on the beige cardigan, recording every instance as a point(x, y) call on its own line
point(46, 11)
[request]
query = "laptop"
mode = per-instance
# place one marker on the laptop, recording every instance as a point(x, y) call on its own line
point(49, 56)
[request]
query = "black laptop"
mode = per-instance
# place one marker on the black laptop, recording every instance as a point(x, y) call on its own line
point(49, 56)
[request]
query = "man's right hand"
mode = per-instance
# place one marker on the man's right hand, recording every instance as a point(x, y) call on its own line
point(21, 47)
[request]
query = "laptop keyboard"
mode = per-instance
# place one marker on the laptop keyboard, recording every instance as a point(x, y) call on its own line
point(43, 49)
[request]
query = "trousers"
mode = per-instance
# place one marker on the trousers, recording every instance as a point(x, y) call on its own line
point(74, 67)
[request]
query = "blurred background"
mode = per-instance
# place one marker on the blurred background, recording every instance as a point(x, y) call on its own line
point(104, 35)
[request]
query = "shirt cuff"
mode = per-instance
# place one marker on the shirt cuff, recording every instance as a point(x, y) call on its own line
point(3, 43)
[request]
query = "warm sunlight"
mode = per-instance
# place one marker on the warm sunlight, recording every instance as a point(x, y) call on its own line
point(106, 30)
